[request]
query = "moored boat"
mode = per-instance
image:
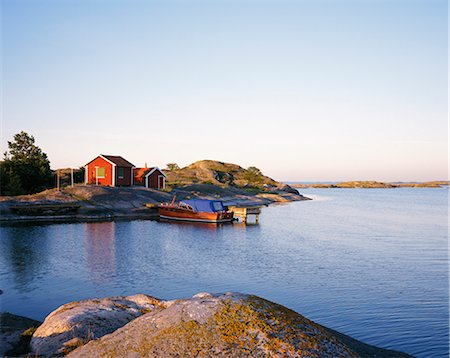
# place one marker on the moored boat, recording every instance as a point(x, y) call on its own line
point(196, 210)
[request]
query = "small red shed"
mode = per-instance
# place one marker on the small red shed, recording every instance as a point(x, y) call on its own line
point(150, 177)
point(111, 170)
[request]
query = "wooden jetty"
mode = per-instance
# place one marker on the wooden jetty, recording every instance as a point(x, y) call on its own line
point(244, 212)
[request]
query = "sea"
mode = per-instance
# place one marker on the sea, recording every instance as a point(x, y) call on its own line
point(370, 263)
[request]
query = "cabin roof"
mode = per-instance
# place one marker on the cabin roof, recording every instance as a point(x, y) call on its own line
point(118, 160)
point(114, 159)
point(142, 171)
point(146, 171)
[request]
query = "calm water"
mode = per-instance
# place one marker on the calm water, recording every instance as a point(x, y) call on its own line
point(370, 263)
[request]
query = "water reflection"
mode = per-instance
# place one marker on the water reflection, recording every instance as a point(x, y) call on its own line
point(100, 247)
point(25, 256)
point(373, 264)
point(211, 227)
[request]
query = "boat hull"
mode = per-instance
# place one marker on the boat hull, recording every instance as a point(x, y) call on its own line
point(173, 213)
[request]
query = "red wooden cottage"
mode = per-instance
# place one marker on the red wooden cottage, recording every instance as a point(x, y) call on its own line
point(111, 170)
point(150, 177)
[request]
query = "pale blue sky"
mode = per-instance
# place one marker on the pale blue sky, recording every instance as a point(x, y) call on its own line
point(304, 90)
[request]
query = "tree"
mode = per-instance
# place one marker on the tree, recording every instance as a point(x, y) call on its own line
point(10, 183)
point(172, 166)
point(253, 175)
point(25, 168)
point(78, 175)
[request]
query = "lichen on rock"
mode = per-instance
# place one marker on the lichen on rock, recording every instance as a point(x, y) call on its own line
point(205, 325)
point(219, 325)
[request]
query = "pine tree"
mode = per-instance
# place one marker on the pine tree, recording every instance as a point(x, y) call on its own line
point(25, 168)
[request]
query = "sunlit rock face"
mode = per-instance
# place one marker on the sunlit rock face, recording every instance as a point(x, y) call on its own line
point(218, 325)
point(74, 324)
point(206, 325)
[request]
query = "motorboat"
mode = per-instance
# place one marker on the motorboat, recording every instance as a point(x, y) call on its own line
point(196, 210)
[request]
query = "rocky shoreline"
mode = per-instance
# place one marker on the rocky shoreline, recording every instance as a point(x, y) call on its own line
point(98, 203)
point(205, 325)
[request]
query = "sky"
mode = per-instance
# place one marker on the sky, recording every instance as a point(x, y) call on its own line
point(304, 90)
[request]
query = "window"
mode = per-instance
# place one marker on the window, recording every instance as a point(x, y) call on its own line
point(217, 205)
point(121, 173)
point(100, 172)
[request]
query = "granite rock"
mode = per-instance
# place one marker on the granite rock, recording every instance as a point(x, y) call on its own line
point(76, 323)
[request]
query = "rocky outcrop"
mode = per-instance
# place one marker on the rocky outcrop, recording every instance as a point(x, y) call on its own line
point(289, 189)
point(347, 185)
point(76, 323)
point(206, 325)
point(93, 202)
point(224, 325)
point(15, 334)
point(216, 173)
point(364, 184)
point(427, 184)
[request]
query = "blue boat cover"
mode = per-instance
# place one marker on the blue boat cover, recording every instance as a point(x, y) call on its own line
point(209, 206)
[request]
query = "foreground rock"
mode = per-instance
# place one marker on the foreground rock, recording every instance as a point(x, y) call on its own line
point(76, 323)
point(226, 325)
point(205, 325)
point(15, 334)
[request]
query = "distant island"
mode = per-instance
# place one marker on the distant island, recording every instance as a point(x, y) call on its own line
point(373, 184)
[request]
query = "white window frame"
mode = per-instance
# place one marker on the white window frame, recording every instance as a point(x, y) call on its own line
point(118, 173)
point(164, 181)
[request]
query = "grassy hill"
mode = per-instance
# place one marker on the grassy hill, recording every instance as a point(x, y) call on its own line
point(221, 174)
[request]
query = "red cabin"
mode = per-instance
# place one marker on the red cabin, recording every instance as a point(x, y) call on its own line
point(110, 170)
point(150, 177)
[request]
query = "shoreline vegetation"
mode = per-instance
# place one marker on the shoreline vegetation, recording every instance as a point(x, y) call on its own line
point(366, 184)
point(230, 324)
